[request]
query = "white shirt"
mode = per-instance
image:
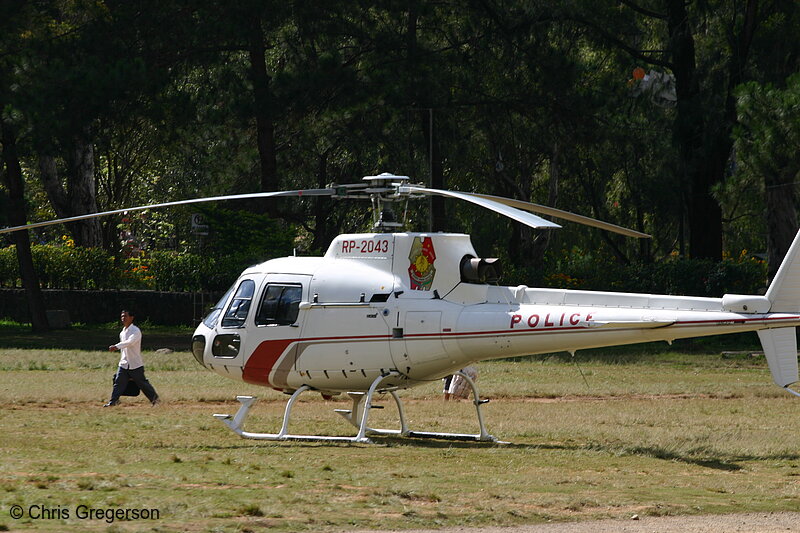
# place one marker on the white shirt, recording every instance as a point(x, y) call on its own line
point(130, 347)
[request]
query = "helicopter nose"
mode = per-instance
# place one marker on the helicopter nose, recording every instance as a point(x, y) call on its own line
point(199, 348)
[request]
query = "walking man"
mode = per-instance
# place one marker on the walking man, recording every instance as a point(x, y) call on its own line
point(131, 364)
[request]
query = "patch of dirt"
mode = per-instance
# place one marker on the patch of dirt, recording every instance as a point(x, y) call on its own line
point(725, 523)
point(607, 398)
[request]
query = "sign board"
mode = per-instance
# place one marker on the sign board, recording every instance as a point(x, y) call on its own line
point(199, 226)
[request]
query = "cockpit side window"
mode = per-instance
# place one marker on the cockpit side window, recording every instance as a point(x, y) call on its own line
point(240, 305)
point(279, 305)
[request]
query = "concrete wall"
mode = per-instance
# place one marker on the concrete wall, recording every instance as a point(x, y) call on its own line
point(93, 307)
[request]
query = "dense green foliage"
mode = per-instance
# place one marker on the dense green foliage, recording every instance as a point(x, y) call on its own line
point(63, 267)
point(694, 277)
point(621, 111)
point(238, 239)
point(674, 275)
point(60, 267)
point(83, 268)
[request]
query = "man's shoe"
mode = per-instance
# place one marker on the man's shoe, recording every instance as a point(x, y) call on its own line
point(111, 404)
point(155, 401)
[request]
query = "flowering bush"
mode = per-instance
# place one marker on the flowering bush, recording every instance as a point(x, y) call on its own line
point(135, 274)
point(560, 280)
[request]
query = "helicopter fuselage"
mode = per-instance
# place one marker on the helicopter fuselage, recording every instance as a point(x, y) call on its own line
point(377, 303)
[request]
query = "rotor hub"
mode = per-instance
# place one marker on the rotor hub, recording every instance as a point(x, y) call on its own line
point(384, 190)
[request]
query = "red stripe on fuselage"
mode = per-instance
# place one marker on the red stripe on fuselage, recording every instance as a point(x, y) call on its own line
point(259, 365)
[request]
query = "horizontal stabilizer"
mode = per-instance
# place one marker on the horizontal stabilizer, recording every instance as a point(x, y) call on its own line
point(780, 348)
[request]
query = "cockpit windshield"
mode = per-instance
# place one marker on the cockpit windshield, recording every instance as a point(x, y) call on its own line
point(211, 318)
point(240, 305)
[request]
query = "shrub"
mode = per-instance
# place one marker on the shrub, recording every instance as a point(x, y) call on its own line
point(681, 276)
point(9, 269)
point(678, 275)
point(172, 271)
point(66, 267)
point(62, 267)
point(96, 268)
point(135, 274)
point(743, 276)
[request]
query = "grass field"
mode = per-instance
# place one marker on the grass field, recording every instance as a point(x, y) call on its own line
point(648, 431)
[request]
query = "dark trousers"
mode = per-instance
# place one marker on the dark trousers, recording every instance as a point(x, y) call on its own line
point(137, 376)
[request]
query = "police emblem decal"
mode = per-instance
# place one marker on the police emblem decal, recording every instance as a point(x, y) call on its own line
point(421, 270)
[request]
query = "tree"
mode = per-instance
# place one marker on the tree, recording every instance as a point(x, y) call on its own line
point(61, 104)
point(85, 66)
point(165, 100)
point(707, 48)
point(15, 184)
point(14, 21)
point(766, 145)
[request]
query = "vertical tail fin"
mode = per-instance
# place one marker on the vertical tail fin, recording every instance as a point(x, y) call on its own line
point(780, 345)
point(780, 349)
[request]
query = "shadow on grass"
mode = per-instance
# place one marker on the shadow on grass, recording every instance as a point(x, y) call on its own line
point(702, 458)
point(720, 462)
point(725, 464)
point(728, 464)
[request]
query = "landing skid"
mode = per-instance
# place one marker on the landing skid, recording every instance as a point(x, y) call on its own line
point(357, 416)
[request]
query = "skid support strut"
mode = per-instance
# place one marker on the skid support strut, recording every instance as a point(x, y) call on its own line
point(357, 416)
point(476, 400)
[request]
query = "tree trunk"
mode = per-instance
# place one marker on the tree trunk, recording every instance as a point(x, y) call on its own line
point(704, 212)
point(83, 194)
point(437, 220)
point(15, 184)
point(702, 131)
point(542, 240)
point(696, 172)
point(80, 195)
point(321, 207)
point(265, 129)
point(438, 217)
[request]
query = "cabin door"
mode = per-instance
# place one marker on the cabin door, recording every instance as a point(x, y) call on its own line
point(421, 349)
point(272, 339)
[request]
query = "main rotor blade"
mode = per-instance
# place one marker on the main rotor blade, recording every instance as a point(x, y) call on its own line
point(565, 215)
point(489, 203)
point(302, 192)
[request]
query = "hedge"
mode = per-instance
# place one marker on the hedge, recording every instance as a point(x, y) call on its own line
point(64, 267)
point(675, 275)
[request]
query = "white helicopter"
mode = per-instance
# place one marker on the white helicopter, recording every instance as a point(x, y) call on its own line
point(385, 311)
